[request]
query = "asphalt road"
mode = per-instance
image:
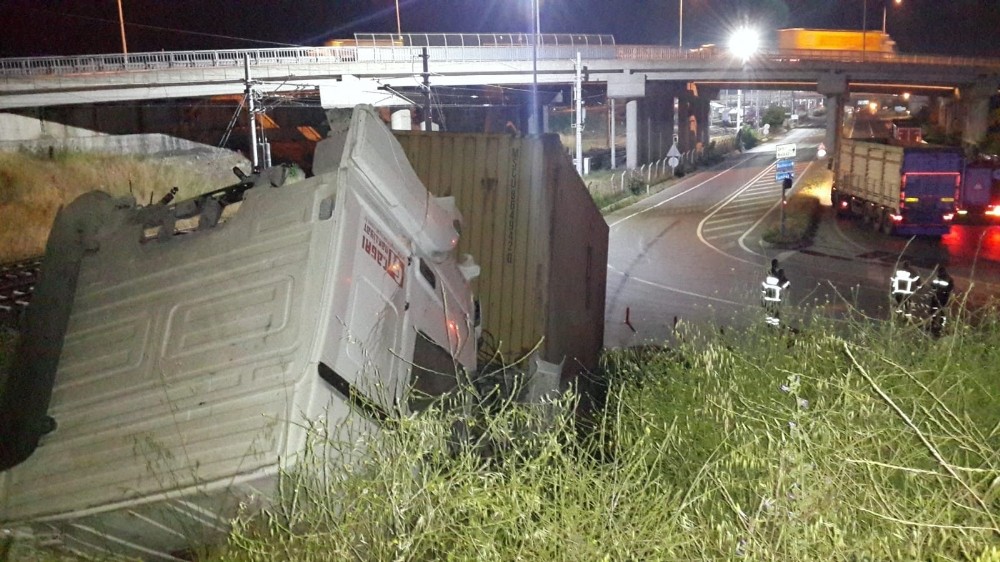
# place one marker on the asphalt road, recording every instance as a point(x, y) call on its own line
point(692, 253)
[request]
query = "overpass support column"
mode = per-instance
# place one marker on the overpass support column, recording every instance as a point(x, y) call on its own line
point(659, 103)
point(834, 87)
point(976, 110)
point(649, 121)
point(632, 134)
point(692, 119)
point(704, 114)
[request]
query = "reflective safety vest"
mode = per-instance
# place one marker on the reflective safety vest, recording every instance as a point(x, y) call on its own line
point(771, 289)
point(903, 282)
point(940, 283)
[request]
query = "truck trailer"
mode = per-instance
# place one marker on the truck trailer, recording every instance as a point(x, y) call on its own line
point(168, 372)
point(898, 189)
point(829, 40)
point(979, 198)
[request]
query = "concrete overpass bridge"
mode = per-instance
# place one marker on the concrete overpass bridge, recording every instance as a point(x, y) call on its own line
point(387, 70)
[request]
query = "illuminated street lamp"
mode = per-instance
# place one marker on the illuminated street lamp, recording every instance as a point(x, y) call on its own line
point(885, 10)
point(744, 43)
point(864, 23)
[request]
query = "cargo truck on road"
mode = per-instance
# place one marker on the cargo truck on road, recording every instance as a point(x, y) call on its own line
point(898, 189)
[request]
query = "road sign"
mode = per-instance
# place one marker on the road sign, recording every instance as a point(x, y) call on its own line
point(785, 165)
point(782, 175)
point(783, 151)
point(673, 161)
point(821, 151)
point(673, 151)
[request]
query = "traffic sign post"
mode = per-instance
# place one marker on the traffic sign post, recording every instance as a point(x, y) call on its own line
point(673, 156)
point(784, 151)
point(786, 184)
point(784, 169)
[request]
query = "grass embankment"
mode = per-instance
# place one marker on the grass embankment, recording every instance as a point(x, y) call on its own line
point(876, 444)
point(802, 211)
point(34, 186)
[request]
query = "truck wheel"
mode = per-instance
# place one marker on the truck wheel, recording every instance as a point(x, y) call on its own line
point(836, 201)
point(878, 221)
point(888, 228)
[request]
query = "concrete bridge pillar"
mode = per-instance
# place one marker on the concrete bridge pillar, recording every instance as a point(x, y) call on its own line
point(704, 114)
point(975, 100)
point(693, 118)
point(649, 117)
point(834, 87)
point(947, 110)
point(632, 134)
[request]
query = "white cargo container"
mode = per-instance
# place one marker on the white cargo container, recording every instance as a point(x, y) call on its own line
point(192, 364)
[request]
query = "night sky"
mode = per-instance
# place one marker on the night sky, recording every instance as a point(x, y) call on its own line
point(68, 27)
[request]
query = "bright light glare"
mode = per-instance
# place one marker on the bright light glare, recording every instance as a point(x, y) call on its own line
point(744, 43)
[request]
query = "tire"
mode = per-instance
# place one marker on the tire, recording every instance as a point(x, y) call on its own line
point(878, 220)
point(888, 228)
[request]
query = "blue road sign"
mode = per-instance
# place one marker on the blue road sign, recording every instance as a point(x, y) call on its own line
point(785, 165)
point(782, 175)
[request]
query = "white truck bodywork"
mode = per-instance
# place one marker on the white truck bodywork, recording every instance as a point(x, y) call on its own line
point(193, 364)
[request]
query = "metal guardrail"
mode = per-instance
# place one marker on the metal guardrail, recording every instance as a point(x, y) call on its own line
point(514, 49)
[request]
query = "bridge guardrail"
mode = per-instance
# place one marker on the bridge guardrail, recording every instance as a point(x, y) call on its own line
point(84, 64)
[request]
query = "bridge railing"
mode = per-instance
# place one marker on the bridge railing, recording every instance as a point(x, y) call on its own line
point(482, 51)
point(33, 66)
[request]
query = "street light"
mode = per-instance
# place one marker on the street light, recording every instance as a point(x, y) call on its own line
point(885, 10)
point(680, 32)
point(743, 43)
point(534, 124)
point(864, 24)
point(399, 25)
point(121, 23)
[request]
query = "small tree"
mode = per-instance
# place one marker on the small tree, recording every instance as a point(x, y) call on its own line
point(774, 116)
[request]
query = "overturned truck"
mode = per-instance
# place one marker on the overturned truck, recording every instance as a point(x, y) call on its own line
point(166, 373)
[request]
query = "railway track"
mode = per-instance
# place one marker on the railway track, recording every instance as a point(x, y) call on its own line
point(17, 283)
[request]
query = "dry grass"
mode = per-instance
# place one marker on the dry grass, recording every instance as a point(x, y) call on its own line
point(34, 186)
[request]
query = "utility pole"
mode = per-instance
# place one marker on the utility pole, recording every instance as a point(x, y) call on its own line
point(427, 90)
point(251, 112)
point(578, 94)
point(611, 126)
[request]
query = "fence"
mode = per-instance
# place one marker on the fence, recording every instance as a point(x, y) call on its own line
point(659, 170)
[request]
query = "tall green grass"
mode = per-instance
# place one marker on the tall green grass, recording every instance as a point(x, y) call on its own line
point(874, 442)
point(850, 440)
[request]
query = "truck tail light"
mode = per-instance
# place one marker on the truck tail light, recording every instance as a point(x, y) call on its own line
point(993, 210)
point(844, 204)
point(896, 218)
point(948, 216)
